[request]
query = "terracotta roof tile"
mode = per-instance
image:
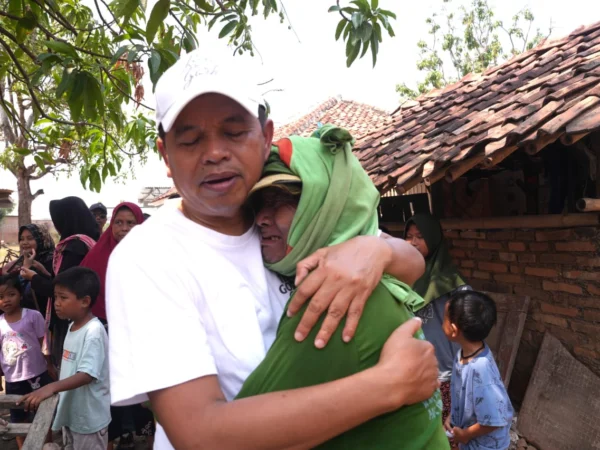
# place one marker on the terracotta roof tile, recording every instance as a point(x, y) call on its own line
point(527, 102)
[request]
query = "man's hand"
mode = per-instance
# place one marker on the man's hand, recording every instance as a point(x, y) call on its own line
point(461, 436)
point(410, 365)
point(339, 280)
point(32, 400)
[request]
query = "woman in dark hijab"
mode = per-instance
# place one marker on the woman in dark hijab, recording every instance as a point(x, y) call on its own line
point(38, 248)
point(78, 233)
point(440, 280)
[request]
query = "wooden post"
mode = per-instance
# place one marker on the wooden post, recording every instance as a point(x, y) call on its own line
point(41, 424)
point(588, 204)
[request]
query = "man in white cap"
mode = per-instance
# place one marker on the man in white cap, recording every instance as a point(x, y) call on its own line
point(189, 324)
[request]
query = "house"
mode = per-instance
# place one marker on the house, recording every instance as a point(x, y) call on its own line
point(511, 161)
point(358, 118)
point(5, 200)
point(148, 195)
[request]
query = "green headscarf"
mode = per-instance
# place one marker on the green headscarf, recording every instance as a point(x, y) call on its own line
point(338, 199)
point(441, 275)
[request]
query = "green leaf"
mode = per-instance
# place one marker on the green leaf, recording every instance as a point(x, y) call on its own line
point(75, 96)
point(62, 47)
point(15, 7)
point(95, 182)
point(213, 21)
point(47, 157)
point(353, 54)
point(340, 28)
point(377, 31)
point(365, 31)
point(363, 5)
point(111, 169)
point(93, 101)
point(83, 175)
point(104, 173)
point(374, 48)
point(203, 4)
point(374, 4)
point(119, 53)
point(334, 8)
point(39, 162)
point(365, 48)
point(22, 151)
point(157, 16)
point(154, 62)
point(125, 8)
point(357, 20)
point(65, 83)
point(387, 13)
point(228, 28)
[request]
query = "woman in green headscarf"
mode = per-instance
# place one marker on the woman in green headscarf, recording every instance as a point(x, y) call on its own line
point(440, 280)
point(313, 194)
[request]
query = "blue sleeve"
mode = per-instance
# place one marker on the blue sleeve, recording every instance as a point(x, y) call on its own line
point(92, 356)
point(491, 403)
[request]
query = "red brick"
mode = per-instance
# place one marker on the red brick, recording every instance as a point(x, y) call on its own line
point(576, 246)
point(464, 244)
point(531, 292)
point(591, 315)
point(588, 262)
point(514, 268)
point(555, 258)
point(561, 287)
point(508, 278)
point(584, 352)
point(489, 245)
point(539, 247)
point(467, 263)
point(452, 234)
point(586, 232)
point(559, 310)
point(507, 257)
point(525, 235)
point(457, 253)
point(579, 275)
point(472, 235)
point(554, 235)
point(481, 275)
point(493, 267)
point(541, 272)
point(589, 329)
point(553, 320)
point(527, 258)
point(500, 235)
point(516, 246)
point(481, 255)
point(585, 302)
point(466, 272)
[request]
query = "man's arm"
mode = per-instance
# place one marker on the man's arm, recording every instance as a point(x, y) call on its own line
point(195, 414)
point(340, 279)
point(32, 401)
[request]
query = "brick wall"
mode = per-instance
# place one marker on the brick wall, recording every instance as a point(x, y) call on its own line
point(559, 269)
point(9, 229)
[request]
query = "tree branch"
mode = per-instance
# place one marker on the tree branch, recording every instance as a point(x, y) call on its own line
point(342, 12)
point(108, 25)
point(115, 82)
point(60, 19)
point(13, 38)
point(37, 194)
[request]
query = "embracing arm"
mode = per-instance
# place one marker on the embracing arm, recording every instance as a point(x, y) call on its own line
point(195, 414)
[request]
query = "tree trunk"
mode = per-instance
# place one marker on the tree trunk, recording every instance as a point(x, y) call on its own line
point(25, 197)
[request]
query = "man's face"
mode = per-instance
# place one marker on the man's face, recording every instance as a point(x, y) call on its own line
point(275, 212)
point(215, 152)
point(100, 217)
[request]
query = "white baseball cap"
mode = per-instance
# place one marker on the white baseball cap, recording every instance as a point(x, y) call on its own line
point(190, 77)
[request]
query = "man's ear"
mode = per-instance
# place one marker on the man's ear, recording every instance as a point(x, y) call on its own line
point(163, 152)
point(268, 132)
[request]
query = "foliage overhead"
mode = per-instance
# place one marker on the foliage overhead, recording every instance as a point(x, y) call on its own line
point(469, 39)
point(71, 92)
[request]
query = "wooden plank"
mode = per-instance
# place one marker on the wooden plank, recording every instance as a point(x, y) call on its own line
point(9, 402)
point(14, 429)
point(505, 337)
point(41, 424)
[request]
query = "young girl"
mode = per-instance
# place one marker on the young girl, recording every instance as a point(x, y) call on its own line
point(21, 334)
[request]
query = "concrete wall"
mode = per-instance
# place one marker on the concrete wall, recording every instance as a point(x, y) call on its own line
point(9, 229)
point(559, 269)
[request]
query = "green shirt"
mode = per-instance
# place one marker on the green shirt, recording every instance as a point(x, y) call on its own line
point(290, 365)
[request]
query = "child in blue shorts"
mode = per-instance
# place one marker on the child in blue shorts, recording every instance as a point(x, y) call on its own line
point(21, 334)
point(481, 412)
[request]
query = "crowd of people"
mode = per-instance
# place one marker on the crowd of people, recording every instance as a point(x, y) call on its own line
point(283, 318)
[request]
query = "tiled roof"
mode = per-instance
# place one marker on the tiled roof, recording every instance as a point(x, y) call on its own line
point(548, 93)
point(357, 118)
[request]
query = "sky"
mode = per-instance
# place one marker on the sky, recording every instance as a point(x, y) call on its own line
point(309, 68)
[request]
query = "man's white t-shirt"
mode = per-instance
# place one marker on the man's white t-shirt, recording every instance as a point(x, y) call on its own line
point(184, 301)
